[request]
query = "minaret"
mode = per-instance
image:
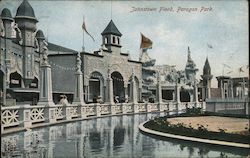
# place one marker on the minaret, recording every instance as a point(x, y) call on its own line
point(26, 22)
point(7, 20)
point(4, 56)
point(111, 38)
point(206, 79)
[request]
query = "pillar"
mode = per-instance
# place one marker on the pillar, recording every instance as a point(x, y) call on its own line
point(133, 92)
point(222, 89)
point(159, 90)
point(177, 93)
point(109, 89)
point(177, 96)
point(196, 94)
point(45, 96)
point(78, 94)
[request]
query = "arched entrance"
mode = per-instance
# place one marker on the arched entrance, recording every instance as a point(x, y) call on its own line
point(185, 97)
point(15, 80)
point(118, 85)
point(96, 86)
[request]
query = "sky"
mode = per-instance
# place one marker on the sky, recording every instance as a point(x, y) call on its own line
point(219, 32)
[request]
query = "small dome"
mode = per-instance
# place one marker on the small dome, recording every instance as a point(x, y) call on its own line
point(40, 35)
point(25, 11)
point(6, 14)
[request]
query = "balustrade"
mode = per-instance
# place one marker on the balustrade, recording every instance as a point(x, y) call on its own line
point(25, 116)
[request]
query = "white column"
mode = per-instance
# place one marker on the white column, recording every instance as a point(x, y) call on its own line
point(109, 89)
point(78, 95)
point(177, 93)
point(159, 90)
point(133, 92)
point(45, 96)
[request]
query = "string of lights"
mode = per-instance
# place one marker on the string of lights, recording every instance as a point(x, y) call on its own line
point(62, 67)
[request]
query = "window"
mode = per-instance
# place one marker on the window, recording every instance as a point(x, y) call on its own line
point(106, 40)
point(114, 40)
point(118, 40)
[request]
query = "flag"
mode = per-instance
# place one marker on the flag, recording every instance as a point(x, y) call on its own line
point(229, 72)
point(145, 42)
point(85, 29)
point(209, 46)
point(226, 65)
point(241, 69)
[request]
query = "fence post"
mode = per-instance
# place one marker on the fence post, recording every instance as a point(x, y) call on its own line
point(50, 114)
point(25, 116)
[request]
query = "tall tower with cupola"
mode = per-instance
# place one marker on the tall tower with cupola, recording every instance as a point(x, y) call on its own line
point(206, 80)
point(111, 38)
point(26, 21)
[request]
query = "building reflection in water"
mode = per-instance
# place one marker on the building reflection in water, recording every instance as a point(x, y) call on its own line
point(116, 136)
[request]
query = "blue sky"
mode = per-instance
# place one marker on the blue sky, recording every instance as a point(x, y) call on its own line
point(225, 27)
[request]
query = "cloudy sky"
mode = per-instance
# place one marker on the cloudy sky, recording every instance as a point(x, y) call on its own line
point(223, 25)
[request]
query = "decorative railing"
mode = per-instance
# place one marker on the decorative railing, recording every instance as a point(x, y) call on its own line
point(37, 114)
point(91, 110)
point(119, 108)
point(10, 116)
point(59, 112)
point(25, 116)
point(154, 106)
point(142, 107)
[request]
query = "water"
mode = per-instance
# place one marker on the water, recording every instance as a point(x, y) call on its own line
point(116, 136)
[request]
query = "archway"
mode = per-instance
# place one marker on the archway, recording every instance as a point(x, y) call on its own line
point(15, 80)
point(185, 97)
point(118, 85)
point(95, 86)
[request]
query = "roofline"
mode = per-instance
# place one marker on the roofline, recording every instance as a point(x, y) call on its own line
point(133, 61)
point(90, 54)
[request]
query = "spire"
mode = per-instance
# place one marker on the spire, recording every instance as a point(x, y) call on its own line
point(25, 10)
point(189, 55)
point(111, 29)
point(207, 68)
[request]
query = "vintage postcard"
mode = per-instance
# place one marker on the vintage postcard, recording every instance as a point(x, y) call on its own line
point(116, 78)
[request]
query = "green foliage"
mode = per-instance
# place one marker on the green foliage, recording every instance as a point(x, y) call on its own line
point(194, 111)
point(162, 124)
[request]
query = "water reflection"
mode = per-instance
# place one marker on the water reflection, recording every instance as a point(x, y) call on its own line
point(116, 136)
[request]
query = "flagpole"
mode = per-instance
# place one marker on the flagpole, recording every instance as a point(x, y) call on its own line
point(83, 48)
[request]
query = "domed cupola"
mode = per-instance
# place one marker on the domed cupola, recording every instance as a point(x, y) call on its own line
point(25, 11)
point(26, 21)
point(207, 68)
point(6, 14)
point(7, 20)
point(40, 35)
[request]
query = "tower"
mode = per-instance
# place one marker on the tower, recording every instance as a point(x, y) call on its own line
point(7, 20)
point(111, 38)
point(26, 21)
point(4, 58)
point(206, 80)
point(190, 68)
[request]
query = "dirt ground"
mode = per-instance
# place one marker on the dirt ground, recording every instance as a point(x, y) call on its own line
point(214, 123)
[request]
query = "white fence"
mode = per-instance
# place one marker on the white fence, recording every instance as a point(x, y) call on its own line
point(25, 116)
point(229, 105)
